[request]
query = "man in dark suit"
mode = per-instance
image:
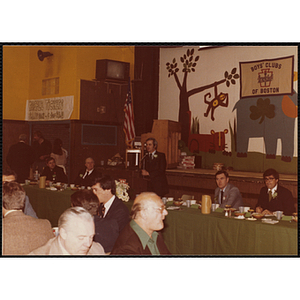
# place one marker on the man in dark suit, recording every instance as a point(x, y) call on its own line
point(226, 193)
point(274, 197)
point(20, 157)
point(140, 236)
point(21, 233)
point(87, 176)
point(53, 172)
point(111, 207)
point(154, 169)
point(106, 230)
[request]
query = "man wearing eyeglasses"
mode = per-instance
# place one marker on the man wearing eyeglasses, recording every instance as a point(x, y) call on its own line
point(274, 197)
point(140, 236)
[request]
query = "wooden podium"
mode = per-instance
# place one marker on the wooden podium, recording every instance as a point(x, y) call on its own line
point(167, 133)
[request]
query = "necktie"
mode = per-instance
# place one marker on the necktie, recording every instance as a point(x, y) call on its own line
point(270, 195)
point(102, 210)
point(222, 193)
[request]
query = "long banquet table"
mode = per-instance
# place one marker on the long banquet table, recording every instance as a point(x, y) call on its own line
point(189, 232)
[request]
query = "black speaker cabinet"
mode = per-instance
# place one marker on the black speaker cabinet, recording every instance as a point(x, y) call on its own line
point(102, 101)
point(112, 70)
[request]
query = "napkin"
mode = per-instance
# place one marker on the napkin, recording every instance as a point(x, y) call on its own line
point(219, 209)
point(247, 215)
point(286, 218)
point(194, 206)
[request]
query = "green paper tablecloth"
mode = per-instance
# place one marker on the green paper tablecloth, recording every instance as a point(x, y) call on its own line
point(189, 232)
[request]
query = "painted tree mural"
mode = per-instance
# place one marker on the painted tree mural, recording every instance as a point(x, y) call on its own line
point(189, 63)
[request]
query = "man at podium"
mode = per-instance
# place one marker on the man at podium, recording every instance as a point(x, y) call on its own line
point(154, 167)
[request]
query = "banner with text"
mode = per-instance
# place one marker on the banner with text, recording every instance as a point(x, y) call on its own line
point(267, 77)
point(49, 109)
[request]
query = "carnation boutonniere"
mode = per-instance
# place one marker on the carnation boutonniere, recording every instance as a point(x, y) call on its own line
point(274, 195)
point(155, 156)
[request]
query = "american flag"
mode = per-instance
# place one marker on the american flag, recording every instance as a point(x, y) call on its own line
point(129, 119)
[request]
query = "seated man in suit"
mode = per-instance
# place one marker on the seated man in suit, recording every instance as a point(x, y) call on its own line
point(86, 176)
point(76, 231)
point(21, 233)
point(226, 193)
point(154, 167)
point(106, 230)
point(111, 207)
point(10, 176)
point(53, 172)
point(140, 236)
point(274, 197)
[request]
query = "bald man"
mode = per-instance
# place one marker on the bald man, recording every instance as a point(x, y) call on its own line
point(140, 236)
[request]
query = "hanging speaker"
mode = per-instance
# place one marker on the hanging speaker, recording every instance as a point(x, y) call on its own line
point(42, 55)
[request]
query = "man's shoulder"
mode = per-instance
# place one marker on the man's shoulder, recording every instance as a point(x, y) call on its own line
point(46, 248)
point(160, 154)
point(39, 225)
point(96, 249)
point(282, 189)
point(231, 186)
point(128, 235)
point(119, 204)
point(57, 168)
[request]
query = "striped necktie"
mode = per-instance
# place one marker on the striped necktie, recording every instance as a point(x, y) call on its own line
point(270, 195)
point(102, 210)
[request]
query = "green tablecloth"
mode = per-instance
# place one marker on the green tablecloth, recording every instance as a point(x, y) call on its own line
point(48, 204)
point(189, 232)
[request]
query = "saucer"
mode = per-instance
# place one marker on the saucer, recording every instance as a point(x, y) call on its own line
point(240, 217)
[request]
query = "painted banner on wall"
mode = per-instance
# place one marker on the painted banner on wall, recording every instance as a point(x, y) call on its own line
point(49, 109)
point(267, 77)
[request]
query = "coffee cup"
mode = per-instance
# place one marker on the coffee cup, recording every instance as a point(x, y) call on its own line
point(27, 182)
point(188, 203)
point(214, 206)
point(72, 185)
point(164, 200)
point(278, 214)
point(246, 208)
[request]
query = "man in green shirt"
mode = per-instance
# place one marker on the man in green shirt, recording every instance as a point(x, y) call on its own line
point(140, 236)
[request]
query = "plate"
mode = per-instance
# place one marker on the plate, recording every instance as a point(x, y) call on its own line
point(251, 219)
point(173, 208)
point(268, 215)
point(269, 221)
point(52, 188)
point(240, 217)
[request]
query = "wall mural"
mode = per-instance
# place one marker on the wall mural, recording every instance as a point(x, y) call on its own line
point(189, 62)
point(266, 108)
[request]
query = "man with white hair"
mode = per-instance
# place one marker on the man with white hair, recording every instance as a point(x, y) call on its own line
point(76, 232)
point(87, 175)
point(20, 157)
point(140, 236)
